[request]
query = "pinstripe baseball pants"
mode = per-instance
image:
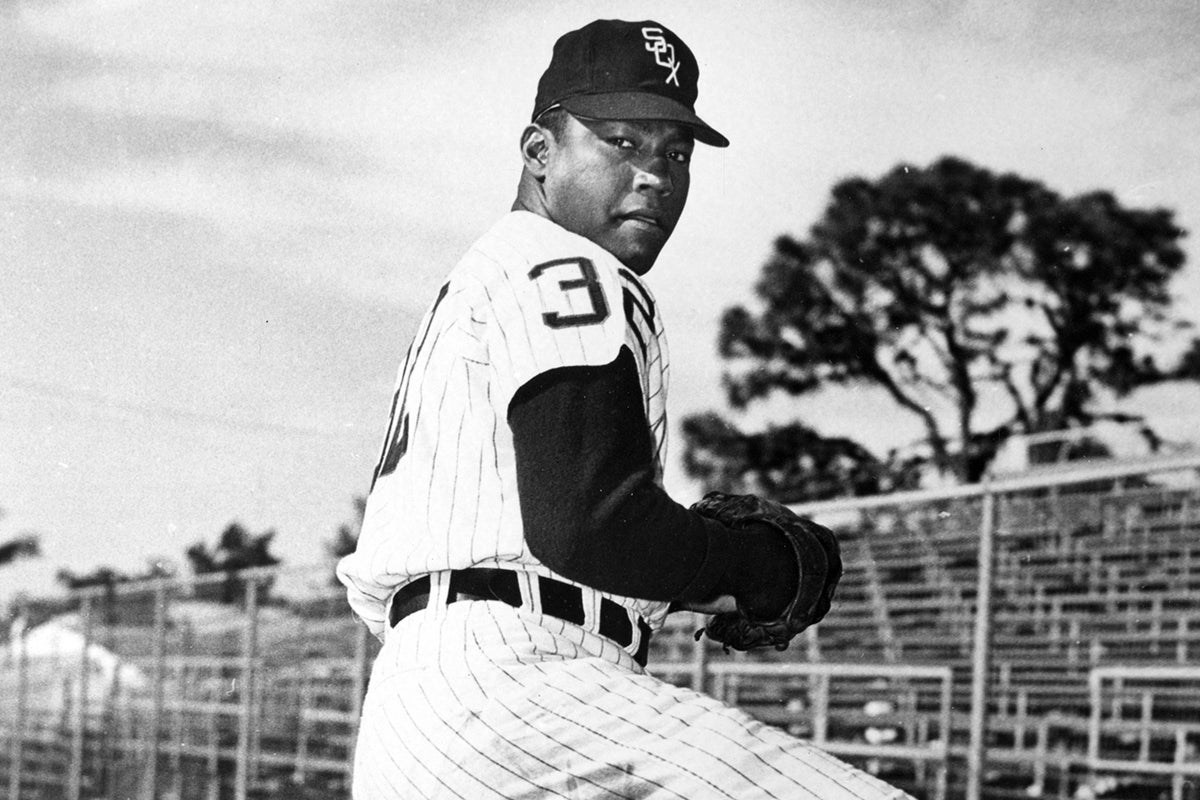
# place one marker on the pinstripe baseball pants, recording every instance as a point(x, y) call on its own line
point(478, 700)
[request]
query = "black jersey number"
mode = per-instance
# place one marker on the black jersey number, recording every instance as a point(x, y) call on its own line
point(397, 446)
point(588, 279)
point(396, 443)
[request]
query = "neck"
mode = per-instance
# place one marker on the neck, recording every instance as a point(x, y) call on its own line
point(530, 196)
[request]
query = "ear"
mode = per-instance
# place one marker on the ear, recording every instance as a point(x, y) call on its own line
point(535, 150)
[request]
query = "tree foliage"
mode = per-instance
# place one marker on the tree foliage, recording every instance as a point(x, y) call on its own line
point(110, 576)
point(135, 605)
point(236, 549)
point(345, 538)
point(23, 545)
point(944, 285)
point(1189, 364)
point(790, 463)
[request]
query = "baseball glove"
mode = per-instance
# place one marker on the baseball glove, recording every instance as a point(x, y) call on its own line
point(818, 561)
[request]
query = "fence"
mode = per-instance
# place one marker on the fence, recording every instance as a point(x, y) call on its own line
point(1011, 639)
point(1025, 586)
point(1145, 743)
point(234, 685)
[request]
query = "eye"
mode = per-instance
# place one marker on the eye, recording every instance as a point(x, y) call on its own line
point(680, 156)
point(621, 143)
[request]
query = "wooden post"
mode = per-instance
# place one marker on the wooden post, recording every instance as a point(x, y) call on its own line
point(113, 753)
point(249, 655)
point(699, 658)
point(79, 729)
point(981, 650)
point(213, 730)
point(812, 643)
point(156, 697)
point(15, 754)
point(1042, 751)
point(1147, 721)
point(820, 710)
point(1096, 700)
point(182, 693)
point(1178, 782)
point(945, 723)
point(1022, 714)
point(303, 726)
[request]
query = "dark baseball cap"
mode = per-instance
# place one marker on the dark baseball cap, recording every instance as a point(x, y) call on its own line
point(613, 69)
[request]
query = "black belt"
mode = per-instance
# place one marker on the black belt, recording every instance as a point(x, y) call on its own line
point(561, 600)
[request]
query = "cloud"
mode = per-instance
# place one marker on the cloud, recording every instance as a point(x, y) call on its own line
point(320, 127)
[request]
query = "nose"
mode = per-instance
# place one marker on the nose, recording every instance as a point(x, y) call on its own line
point(653, 173)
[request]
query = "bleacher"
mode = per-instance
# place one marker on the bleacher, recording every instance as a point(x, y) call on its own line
point(1088, 575)
point(1093, 679)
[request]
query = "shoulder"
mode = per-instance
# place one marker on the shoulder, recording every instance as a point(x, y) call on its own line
point(525, 254)
point(521, 241)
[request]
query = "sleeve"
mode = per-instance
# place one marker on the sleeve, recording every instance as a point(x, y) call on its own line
point(591, 507)
point(562, 311)
point(367, 599)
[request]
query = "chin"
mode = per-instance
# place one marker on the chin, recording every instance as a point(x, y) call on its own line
point(640, 263)
point(639, 257)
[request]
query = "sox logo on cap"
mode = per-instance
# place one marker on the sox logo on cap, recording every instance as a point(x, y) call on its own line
point(664, 52)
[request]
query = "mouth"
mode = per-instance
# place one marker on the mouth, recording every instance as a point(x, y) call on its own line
point(643, 218)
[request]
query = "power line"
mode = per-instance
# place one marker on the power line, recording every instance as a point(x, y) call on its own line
point(95, 403)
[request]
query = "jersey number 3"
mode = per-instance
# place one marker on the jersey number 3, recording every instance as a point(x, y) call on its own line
point(587, 279)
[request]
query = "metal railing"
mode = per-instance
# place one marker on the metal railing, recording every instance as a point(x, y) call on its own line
point(1110, 690)
point(990, 502)
point(807, 708)
point(155, 689)
point(233, 685)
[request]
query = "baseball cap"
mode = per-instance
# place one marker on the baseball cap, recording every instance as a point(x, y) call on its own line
point(613, 69)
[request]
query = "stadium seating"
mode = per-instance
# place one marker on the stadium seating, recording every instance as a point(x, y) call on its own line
point(1087, 576)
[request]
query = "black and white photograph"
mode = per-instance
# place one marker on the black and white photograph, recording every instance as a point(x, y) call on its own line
point(599, 400)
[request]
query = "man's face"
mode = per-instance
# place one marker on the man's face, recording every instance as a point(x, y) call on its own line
point(622, 184)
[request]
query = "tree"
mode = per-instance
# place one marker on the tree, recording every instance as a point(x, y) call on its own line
point(345, 538)
point(110, 576)
point(133, 606)
point(23, 545)
point(946, 285)
point(790, 463)
point(26, 545)
point(236, 549)
point(1189, 364)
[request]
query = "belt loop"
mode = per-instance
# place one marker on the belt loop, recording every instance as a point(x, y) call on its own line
point(527, 591)
point(442, 592)
point(521, 589)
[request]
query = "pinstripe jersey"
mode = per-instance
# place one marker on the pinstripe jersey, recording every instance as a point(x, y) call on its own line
point(484, 701)
point(528, 297)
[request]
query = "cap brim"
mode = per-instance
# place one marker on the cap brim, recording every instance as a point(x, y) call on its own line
point(642, 105)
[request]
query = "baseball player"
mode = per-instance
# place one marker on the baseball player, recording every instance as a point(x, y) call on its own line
point(518, 550)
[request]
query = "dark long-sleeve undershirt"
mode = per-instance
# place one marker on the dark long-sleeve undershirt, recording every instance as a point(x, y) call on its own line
point(592, 510)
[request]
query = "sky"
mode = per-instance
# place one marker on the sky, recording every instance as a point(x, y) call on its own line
point(221, 221)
